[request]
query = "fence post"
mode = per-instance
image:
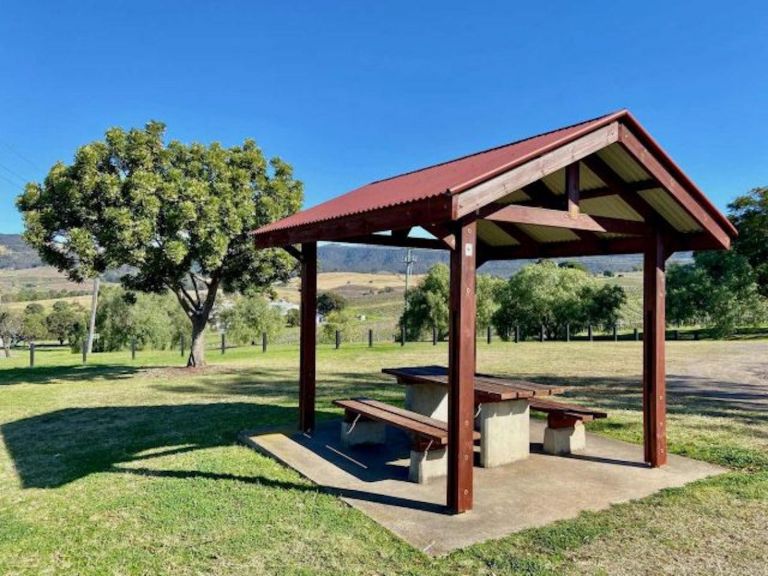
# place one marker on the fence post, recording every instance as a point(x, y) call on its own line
point(541, 334)
point(31, 354)
point(434, 336)
point(637, 335)
point(85, 351)
point(615, 334)
point(223, 342)
point(370, 337)
point(133, 348)
point(182, 345)
point(338, 339)
point(264, 342)
point(568, 332)
point(517, 334)
point(589, 332)
point(489, 334)
point(402, 336)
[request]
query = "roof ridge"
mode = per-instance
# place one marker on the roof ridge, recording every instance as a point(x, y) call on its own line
point(500, 146)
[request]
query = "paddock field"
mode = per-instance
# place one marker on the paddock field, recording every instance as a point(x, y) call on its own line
point(132, 467)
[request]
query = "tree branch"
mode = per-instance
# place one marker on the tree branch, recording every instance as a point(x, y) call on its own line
point(194, 283)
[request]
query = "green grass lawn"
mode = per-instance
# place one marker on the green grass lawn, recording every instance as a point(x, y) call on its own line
point(122, 467)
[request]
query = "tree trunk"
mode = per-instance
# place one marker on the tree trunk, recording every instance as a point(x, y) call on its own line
point(197, 349)
point(92, 323)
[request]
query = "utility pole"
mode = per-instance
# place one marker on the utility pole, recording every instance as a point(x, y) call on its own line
point(408, 260)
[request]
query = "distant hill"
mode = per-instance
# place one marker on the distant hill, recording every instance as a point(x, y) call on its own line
point(354, 258)
point(16, 255)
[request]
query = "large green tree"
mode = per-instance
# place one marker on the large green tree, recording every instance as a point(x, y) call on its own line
point(248, 317)
point(544, 294)
point(65, 320)
point(428, 303)
point(176, 215)
point(749, 213)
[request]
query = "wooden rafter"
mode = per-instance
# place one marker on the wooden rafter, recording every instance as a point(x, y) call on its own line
point(616, 185)
point(516, 214)
point(667, 181)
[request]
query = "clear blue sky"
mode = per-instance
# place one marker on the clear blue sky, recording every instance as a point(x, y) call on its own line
point(349, 92)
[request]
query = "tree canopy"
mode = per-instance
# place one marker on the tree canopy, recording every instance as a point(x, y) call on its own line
point(427, 303)
point(726, 289)
point(177, 215)
point(544, 294)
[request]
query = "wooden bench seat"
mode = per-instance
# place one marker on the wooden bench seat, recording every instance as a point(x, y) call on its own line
point(560, 413)
point(565, 424)
point(428, 430)
point(364, 421)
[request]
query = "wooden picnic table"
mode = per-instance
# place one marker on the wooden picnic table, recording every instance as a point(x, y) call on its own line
point(487, 388)
point(503, 415)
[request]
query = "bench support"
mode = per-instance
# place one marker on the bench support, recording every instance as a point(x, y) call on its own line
point(504, 432)
point(361, 431)
point(560, 441)
point(427, 465)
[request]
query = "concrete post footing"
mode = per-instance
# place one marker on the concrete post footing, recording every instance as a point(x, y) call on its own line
point(560, 441)
point(428, 464)
point(362, 432)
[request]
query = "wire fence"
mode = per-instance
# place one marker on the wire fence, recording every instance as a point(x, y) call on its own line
point(371, 337)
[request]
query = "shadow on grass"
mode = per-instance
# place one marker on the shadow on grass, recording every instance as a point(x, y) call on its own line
point(53, 449)
point(82, 373)
point(686, 395)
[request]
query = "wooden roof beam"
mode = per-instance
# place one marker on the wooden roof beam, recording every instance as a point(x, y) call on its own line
point(516, 214)
point(396, 241)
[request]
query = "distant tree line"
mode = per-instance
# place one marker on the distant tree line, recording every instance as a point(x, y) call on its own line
point(542, 295)
point(33, 294)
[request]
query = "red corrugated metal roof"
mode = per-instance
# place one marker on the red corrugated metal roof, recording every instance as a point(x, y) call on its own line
point(445, 178)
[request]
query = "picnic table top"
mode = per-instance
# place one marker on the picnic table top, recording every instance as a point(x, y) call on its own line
point(487, 388)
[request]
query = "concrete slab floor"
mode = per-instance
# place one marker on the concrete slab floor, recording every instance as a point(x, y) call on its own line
point(524, 494)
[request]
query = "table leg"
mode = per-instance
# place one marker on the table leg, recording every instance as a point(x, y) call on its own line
point(505, 429)
point(428, 399)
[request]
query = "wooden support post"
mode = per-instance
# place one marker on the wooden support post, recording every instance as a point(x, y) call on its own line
point(182, 345)
point(615, 333)
point(488, 335)
point(461, 369)
point(370, 337)
point(654, 384)
point(223, 342)
point(567, 332)
point(572, 189)
point(402, 335)
point(338, 339)
point(264, 342)
point(31, 354)
point(637, 335)
point(307, 364)
point(434, 335)
point(85, 351)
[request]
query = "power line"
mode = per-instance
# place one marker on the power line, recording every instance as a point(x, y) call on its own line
point(20, 155)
